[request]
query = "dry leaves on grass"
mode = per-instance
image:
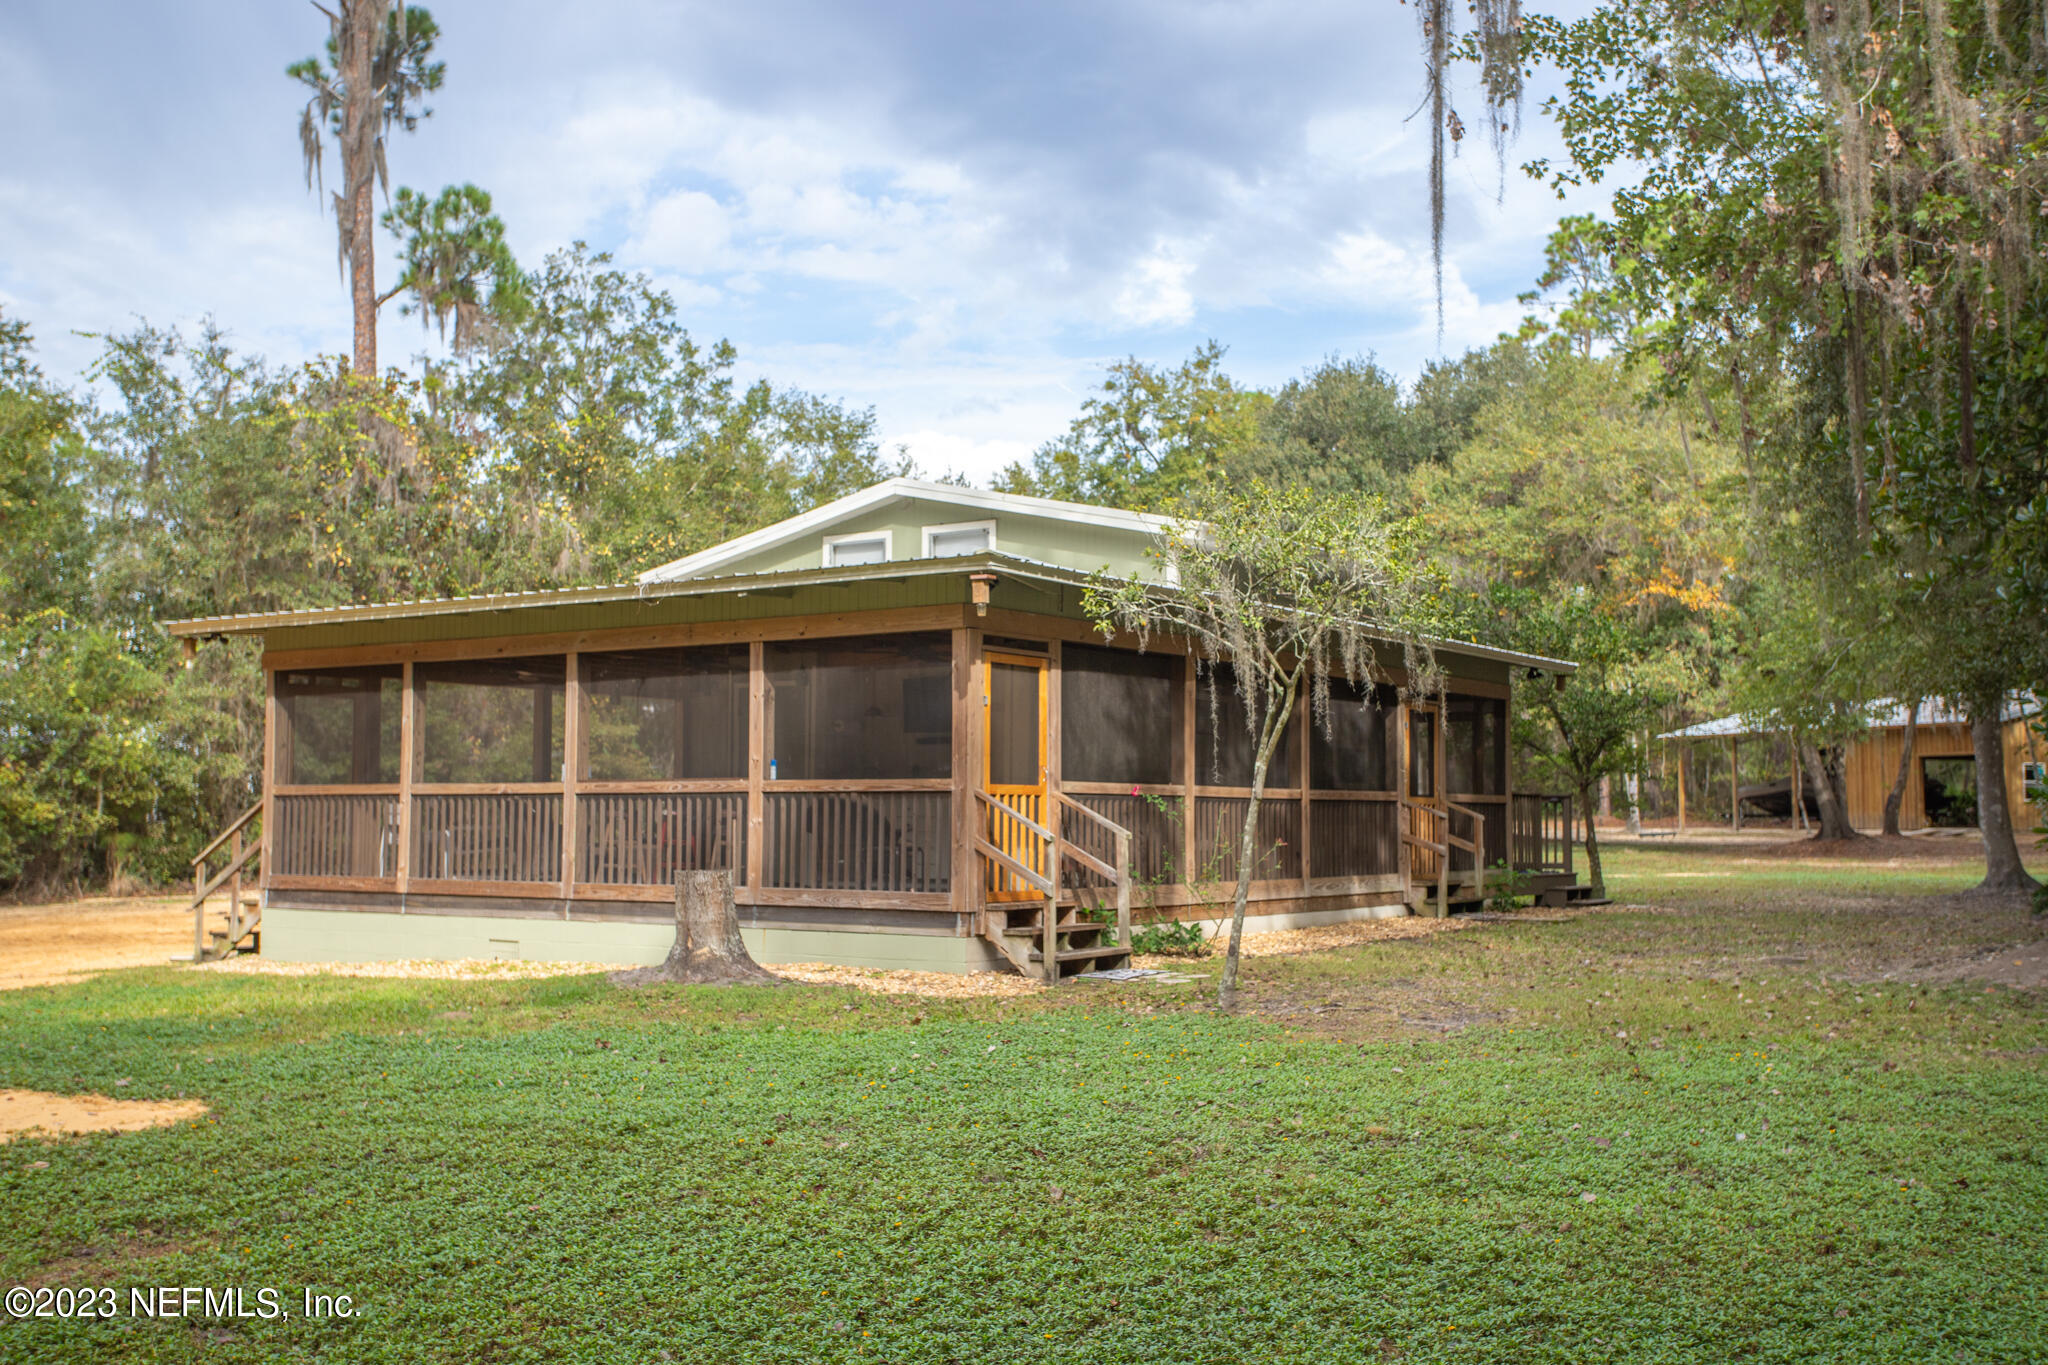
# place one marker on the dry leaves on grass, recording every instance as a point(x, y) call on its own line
point(1320, 938)
point(940, 985)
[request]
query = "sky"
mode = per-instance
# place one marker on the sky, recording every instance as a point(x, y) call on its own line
point(957, 214)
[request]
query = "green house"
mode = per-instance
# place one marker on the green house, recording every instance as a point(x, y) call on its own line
point(888, 719)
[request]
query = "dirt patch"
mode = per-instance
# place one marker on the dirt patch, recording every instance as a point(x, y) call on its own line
point(106, 1263)
point(37, 1111)
point(2015, 966)
point(1876, 850)
point(47, 945)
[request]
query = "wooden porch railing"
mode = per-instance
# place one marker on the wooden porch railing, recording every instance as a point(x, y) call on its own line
point(1541, 832)
point(243, 852)
point(1426, 834)
point(1118, 868)
point(1004, 832)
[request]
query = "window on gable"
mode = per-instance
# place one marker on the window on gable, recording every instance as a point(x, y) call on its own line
point(845, 551)
point(968, 538)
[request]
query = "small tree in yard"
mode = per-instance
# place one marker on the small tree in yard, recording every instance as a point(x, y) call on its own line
point(1289, 588)
point(1588, 726)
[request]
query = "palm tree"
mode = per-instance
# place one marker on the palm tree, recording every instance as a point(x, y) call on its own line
point(375, 75)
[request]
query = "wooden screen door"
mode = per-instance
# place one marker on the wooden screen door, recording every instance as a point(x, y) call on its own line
point(1424, 787)
point(1014, 769)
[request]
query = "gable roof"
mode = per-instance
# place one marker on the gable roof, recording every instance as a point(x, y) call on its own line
point(708, 562)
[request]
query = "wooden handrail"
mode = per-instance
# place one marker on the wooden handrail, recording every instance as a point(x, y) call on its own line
point(1097, 816)
point(230, 832)
point(1031, 876)
point(1006, 808)
point(237, 864)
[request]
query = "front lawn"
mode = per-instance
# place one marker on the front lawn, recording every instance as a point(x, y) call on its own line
point(1698, 1132)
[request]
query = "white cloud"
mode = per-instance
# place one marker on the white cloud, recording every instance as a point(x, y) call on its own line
point(1156, 292)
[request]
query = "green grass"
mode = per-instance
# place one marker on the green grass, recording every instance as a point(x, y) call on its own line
point(1384, 1156)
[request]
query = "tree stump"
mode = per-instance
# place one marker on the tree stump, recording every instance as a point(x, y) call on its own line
point(708, 949)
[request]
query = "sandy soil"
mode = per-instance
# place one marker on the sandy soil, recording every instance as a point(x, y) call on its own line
point(42, 945)
point(30, 1111)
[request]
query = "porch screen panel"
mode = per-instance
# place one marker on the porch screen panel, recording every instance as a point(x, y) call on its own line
point(1015, 725)
point(1475, 746)
point(1351, 755)
point(340, 725)
point(873, 708)
point(665, 714)
point(1225, 746)
point(1422, 754)
point(1119, 715)
point(491, 720)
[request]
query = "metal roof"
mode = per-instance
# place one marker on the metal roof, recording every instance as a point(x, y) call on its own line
point(738, 585)
point(1886, 713)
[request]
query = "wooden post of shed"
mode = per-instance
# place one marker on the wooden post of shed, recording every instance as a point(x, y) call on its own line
point(1684, 748)
point(1735, 783)
point(1798, 788)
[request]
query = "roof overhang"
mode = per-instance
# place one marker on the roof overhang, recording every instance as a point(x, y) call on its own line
point(735, 585)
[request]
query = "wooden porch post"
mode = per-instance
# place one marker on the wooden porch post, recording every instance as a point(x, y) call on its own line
point(273, 728)
point(1301, 760)
point(966, 885)
point(757, 759)
point(1190, 767)
point(572, 772)
point(408, 759)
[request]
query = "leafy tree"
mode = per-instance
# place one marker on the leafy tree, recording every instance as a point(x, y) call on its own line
point(1147, 437)
point(1289, 588)
point(614, 441)
point(1343, 427)
point(1579, 259)
point(1834, 210)
point(1449, 395)
point(1588, 727)
point(376, 72)
point(456, 262)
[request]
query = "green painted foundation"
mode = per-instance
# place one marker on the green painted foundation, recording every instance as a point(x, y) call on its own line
point(359, 936)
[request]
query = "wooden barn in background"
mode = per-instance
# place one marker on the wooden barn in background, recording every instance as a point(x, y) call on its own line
point(1943, 771)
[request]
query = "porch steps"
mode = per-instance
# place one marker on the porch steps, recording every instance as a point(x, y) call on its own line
point(241, 846)
point(1077, 943)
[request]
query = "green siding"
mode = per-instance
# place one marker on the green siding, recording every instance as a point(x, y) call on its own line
point(1046, 539)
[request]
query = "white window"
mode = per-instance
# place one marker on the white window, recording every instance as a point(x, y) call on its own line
point(959, 538)
point(862, 547)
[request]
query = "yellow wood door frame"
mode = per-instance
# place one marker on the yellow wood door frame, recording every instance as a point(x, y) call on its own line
point(1030, 800)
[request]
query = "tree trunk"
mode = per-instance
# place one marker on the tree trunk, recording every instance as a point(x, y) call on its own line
point(1634, 787)
point(362, 280)
point(708, 949)
point(2004, 873)
point(1599, 882)
point(1828, 791)
point(362, 31)
point(1247, 843)
point(1898, 791)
